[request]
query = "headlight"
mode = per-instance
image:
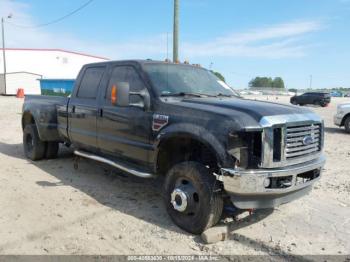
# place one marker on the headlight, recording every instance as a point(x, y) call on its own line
point(246, 148)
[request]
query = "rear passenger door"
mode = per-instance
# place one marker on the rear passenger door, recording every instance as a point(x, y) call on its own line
point(83, 108)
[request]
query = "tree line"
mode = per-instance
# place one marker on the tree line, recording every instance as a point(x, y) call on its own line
point(267, 82)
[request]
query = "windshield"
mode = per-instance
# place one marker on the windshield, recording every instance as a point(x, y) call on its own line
point(173, 79)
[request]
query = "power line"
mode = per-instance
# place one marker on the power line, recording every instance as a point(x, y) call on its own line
point(56, 20)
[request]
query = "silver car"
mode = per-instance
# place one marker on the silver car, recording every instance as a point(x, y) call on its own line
point(342, 118)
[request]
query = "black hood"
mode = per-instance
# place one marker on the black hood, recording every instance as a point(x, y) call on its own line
point(253, 108)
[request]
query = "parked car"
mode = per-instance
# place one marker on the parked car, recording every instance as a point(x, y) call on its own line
point(342, 117)
point(153, 119)
point(312, 98)
point(336, 94)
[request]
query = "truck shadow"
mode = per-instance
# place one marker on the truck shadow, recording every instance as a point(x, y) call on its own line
point(128, 194)
point(335, 130)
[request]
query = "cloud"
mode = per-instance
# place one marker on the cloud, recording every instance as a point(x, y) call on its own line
point(276, 41)
point(20, 34)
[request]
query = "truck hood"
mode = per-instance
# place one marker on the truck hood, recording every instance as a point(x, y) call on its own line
point(244, 108)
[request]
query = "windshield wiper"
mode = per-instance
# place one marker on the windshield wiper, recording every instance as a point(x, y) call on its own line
point(225, 95)
point(183, 94)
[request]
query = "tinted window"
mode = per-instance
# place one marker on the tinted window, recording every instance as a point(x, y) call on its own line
point(126, 74)
point(90, 82)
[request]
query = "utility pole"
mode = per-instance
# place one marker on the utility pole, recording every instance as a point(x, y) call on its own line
point(310, 81)
point(3, 48)
point(3, 52)
point(176, 32)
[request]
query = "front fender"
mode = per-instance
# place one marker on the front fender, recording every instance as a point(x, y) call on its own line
point(196, 132)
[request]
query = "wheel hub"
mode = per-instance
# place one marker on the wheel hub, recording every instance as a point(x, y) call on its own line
point(179, 200)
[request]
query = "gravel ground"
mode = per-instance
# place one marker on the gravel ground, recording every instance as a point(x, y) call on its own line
point(48, 207)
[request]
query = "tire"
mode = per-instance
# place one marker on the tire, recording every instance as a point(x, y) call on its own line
point(323, 104)
point(293, 102)
point(51, 150)
point(34, 148)
point(347, 124)
point(201, 189)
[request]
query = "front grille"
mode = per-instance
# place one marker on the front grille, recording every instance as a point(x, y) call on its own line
point(302, 140)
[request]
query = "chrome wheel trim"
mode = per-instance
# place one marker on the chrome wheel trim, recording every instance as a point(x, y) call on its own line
point(179, 200)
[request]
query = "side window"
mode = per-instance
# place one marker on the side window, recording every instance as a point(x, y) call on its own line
point(89, 84)
point(119, 74)
point(126, 74)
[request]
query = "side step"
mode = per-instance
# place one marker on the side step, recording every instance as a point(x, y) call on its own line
point(114, 164)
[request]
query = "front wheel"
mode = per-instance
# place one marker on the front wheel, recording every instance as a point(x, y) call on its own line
point(347, 124)
point(192, 197)
point(294, 102)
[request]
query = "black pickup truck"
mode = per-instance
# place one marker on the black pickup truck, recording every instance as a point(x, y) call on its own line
point(179, 121)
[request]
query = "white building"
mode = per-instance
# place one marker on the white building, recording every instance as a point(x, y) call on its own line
point(25, 66)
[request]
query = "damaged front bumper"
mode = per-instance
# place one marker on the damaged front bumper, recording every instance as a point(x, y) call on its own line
point(267, 188)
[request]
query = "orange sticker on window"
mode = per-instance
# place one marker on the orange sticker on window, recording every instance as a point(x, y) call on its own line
point(114, 94)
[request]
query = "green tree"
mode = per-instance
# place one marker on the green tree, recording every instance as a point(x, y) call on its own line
point(278, 83)
point(220, 76)
point(266, 82)
point(261, 82)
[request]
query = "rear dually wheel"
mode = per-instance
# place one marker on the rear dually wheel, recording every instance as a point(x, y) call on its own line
point(34, 147)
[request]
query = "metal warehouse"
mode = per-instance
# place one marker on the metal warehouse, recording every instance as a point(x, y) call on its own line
point(25, 67)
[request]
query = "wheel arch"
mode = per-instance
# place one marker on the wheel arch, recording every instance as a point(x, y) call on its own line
point(27, 119)
point(344, 118)
point(186, 143)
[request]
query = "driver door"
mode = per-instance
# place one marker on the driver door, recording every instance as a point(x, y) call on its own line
point(124, 132)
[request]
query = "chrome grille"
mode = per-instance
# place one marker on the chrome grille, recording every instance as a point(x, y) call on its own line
point(302, 140)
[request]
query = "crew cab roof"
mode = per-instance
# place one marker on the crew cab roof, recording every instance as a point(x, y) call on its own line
point(136, 61)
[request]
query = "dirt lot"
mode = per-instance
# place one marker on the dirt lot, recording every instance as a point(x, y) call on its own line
point(48, 207)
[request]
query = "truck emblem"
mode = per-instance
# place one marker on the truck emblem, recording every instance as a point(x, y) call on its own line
point(308, 140)
point(159, 121)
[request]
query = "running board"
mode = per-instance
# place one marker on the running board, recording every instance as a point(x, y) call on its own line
point(114, 164)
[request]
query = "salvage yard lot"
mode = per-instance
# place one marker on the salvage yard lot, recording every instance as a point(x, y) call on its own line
point(48, 207)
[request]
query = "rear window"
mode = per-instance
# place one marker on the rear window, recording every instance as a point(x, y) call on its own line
point(90, 82)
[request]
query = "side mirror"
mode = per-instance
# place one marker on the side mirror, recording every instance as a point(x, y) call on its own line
point(146, 101)
point(120, 94)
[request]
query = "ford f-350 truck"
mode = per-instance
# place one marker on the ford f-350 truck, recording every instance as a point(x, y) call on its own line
point(179, 121)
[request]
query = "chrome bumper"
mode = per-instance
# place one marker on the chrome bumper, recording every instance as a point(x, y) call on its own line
point(247, 189)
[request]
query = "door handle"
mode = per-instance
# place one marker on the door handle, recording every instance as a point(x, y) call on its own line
point(100, 112)
point(73, 109)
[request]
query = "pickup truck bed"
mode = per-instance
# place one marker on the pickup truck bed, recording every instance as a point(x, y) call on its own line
point(49, 114)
